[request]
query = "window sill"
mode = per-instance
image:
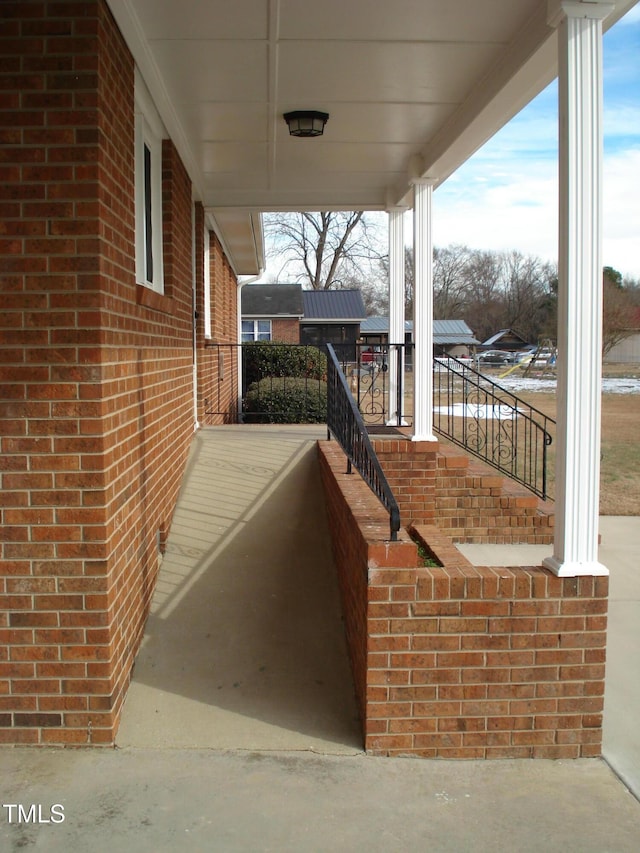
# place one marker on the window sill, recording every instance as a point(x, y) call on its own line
point(156, 301)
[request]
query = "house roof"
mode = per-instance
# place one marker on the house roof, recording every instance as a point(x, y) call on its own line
point(333, 306)
point(380, 326)
point(453, 332)
point(447, 332)
point(505, 336)
point(271, 300)
point(412, 90)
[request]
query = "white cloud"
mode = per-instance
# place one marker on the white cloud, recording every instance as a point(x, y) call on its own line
point(622, 211)
point(513, 204)
point(506, 196)
point(519, 215)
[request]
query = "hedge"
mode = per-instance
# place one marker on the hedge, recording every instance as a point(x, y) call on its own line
point(269, 358)
point(286, 400)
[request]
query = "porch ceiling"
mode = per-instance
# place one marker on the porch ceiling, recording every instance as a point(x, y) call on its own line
point(412, 87)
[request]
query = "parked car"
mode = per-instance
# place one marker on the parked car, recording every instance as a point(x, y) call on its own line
point(494, 356)
point(372, 359)
point(367, 355)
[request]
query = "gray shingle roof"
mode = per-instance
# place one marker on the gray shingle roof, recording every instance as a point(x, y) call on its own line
point(271, 300)
point(333, 305)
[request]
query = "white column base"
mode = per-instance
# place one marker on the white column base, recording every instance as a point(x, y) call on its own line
point(393, 421)
point(574, 569)
point(424, 437)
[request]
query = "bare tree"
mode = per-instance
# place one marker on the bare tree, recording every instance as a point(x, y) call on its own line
point(484, 301)
point(617, 310)
point(529, 298)
point(324, 249)
point(450, 281)
point(492, 290)
point(383, 281)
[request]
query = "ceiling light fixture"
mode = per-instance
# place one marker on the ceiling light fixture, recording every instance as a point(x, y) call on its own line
point(306, 122)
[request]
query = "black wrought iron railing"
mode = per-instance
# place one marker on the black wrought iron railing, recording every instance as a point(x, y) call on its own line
point(265, 382)
point(381, 380)
point(469, 409)
point(493, 424)
point(345, 423)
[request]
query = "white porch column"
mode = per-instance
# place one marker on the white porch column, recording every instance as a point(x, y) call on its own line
point(423, 310)
point(579, 287)
point(396, 308)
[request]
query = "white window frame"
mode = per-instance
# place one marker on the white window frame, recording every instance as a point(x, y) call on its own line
point(149, 133)
point(207, 283)
point(256, 331)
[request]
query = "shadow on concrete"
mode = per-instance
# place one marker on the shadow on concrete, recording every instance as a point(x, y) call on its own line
point(244, 647)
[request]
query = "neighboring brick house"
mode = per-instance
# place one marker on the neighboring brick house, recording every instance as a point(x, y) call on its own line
point(105, 259)
point(286, 312)
point(271, 312)
point(334, 317)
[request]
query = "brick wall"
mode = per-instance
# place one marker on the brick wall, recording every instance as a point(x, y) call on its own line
point(218, 365)
point(98, 410)
point(224, 305)
point(286, 330)
point(359, 529)
point(454, 661)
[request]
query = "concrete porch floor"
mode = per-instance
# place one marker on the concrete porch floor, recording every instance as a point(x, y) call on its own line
point(239, 731)
point(244, 647)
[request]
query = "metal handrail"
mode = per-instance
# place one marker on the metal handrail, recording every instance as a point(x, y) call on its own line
point(490, 422)
point(470, 409)
point(345, 422)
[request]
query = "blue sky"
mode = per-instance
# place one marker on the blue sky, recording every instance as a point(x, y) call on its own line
point(505, 196)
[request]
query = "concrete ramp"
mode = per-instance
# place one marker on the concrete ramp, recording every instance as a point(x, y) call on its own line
point(244, 647)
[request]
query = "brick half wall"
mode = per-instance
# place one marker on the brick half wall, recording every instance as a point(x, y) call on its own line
point(455, 661)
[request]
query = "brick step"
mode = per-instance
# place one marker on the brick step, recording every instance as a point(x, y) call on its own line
point(438, 483)
point(477, 503)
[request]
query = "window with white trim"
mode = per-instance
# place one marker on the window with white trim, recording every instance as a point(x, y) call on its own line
point(256, 330)
point(149, 133)
point(207, 284)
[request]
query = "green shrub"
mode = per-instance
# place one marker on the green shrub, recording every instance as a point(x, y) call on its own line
point(269, 358)
point(286, 400)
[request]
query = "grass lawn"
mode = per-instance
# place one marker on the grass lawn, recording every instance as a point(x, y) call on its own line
point(620, 461)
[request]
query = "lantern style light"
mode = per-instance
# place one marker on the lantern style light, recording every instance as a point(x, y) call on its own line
point(306, 122)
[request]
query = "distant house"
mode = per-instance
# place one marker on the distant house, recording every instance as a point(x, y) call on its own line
point(332, 316)
point(506, 339)
point(451, 337)
point(271, 312)
point(627, 351)
point(375, 330)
